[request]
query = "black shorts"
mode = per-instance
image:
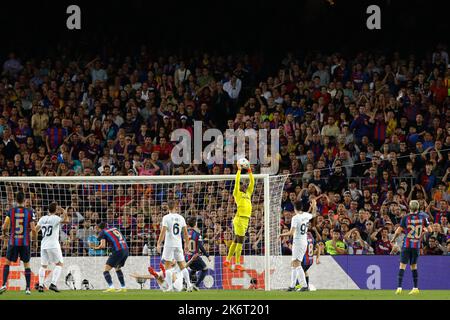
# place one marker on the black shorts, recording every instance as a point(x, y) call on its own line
point(15, 252)
point(198, 264)
point(409, 255)
point(306, 266)
point(117, 259)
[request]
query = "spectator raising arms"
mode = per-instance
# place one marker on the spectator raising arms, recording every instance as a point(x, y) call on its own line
point(368, 130)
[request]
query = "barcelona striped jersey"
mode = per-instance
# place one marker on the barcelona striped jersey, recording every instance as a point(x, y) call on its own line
point(308, 259)
point(114, 237)
point(20, 219)
point(195, 244)
point(413, 225)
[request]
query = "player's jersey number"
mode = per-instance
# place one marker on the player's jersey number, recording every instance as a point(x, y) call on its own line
point(191, 245)
point(117, 234)
point(302, 228)
point(310, 249)
point(47, 231)
point(176, 229)
point(19, 227)
point(414, 232)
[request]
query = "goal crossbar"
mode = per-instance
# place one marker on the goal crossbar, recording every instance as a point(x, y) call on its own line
point(128, 179)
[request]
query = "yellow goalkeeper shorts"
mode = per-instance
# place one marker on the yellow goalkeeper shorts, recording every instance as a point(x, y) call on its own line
point(240, 225)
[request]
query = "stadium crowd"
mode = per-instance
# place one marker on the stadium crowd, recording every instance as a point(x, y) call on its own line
point(368, 131)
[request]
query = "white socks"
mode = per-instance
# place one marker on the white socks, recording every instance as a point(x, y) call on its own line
point(41, 276)
point(55, 275)
point(169, 279)
point(293, 277)
point(301, 276)
point(186, 277)
point(297, 273)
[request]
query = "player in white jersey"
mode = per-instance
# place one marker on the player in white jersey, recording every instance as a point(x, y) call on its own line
point(177, 280)
point(299, 231)
point(173, 224)
point(160, 276)
point(50, 246)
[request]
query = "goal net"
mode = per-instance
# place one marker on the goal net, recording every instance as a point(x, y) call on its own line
point(136, 206)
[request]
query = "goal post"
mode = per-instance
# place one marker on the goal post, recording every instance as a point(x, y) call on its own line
point(135, 205)
point(267, 251)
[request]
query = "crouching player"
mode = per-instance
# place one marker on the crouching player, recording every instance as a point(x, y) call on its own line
point(118, 256)
point(195, 244)
point(160, 276)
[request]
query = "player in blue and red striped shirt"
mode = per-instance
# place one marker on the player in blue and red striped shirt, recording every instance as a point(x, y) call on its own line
point(20, 221)
point(195, 244)
point(413, 225)
point(118, 256)
point(308, 259)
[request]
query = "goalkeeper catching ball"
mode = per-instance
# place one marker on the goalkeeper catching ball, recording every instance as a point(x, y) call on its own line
point(243, 198)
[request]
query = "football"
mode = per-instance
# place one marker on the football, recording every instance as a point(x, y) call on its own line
point(244, 163)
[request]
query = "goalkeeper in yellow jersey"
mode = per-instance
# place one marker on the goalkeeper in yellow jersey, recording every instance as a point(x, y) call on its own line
point(243, 198)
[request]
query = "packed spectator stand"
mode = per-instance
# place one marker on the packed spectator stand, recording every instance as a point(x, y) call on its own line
point(368, 131)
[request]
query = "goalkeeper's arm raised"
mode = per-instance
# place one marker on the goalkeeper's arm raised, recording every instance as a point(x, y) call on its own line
point(237, 185)
point(251, 185)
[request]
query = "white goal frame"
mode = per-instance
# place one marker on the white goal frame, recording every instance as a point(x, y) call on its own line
point(167, 179)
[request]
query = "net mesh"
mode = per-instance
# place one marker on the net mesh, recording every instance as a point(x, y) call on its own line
point(136, 208)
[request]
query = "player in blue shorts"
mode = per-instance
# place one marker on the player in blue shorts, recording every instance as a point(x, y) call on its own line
point(413, 225)
point(118, 256)
point(195, 244)
point(20, 223)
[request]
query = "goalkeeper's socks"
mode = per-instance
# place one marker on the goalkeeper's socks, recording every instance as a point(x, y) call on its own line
point(186, 277)
point(201, 277)
point(5, 274)
point(238, 253)
point(28, 277)
point(41, 276)
point(121, 278)
point(55, 275)
point(401, 272)
point(231, 251)
point(293, 277)
point(108, 278)
point(415, 276)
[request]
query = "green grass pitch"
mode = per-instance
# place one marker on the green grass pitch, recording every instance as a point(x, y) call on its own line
point(228, 295)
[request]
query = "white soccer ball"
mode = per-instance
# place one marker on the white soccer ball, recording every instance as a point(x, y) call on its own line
point(244, 163)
